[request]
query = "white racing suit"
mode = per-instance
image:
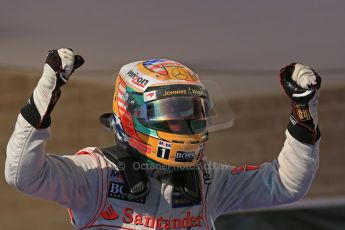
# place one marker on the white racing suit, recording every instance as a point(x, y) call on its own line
point(91, 187)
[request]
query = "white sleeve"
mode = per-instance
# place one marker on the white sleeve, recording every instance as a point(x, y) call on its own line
point(46, 176)
point(284, 180)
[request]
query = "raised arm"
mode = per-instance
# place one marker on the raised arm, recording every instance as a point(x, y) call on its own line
point(288, 178)
point(28, 168)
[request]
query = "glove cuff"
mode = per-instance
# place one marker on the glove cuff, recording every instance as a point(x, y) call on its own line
point(32, 115)
point(303, 132)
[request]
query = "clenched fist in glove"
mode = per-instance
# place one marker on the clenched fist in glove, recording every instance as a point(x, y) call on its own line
point(59, 66)
point(302, 85)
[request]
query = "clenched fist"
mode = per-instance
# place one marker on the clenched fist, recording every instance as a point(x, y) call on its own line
point(302, 85)
point(59, 66)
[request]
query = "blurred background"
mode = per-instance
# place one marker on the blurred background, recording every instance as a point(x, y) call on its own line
point(241, 45)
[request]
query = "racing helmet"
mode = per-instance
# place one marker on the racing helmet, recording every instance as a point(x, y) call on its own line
point(160, 108)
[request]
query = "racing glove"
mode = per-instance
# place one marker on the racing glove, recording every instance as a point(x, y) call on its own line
point(302, 84)
point(59, 66)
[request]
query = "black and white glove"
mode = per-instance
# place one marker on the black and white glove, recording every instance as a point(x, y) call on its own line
point(59, 66)
point(302, 84)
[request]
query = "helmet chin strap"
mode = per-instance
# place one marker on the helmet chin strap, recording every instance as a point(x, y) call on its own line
point(137, 184)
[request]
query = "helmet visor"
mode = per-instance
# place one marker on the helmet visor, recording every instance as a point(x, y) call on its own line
point(179, 115)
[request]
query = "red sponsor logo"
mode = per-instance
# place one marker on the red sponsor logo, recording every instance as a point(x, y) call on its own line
point(244, 168)
point(150, 94)
point(141, 147)
point(128, 124)
point(148, 221)
point(109, 213)
point(188, 221)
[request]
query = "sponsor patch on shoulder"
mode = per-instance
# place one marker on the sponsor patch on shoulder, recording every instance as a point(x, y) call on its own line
point(116, 175)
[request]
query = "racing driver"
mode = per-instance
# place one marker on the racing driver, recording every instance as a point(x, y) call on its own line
point(156, 175)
